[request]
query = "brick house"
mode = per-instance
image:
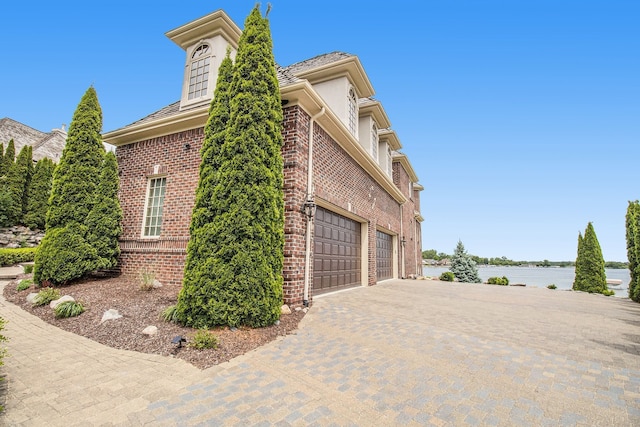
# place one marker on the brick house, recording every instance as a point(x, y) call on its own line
point(352, 200)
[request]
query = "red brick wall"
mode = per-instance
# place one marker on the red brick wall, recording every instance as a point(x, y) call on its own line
point(341, 181)
point(169, 155)
point(338, 180)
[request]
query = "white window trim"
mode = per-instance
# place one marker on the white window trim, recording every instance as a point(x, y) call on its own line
point(352, 107)
point(146, 206)
point(374, 142)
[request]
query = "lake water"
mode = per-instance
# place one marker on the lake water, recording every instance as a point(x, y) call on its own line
point(540, 277)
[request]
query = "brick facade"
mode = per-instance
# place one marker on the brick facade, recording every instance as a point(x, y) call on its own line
point(339, 181)
point(347, 180)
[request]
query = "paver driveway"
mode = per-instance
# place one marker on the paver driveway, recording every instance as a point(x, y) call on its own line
point(406, 352)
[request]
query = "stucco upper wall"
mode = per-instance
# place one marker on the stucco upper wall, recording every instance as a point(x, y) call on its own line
point(334, 93)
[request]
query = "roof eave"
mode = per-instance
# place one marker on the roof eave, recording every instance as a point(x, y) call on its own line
point(179, 122)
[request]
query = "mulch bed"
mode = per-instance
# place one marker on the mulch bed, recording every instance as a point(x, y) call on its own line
point(140, 309)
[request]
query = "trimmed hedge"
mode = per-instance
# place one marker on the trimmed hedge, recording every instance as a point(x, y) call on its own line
point(14, 256)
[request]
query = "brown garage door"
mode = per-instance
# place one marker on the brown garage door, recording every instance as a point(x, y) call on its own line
point(336, 252)
point(384, 256)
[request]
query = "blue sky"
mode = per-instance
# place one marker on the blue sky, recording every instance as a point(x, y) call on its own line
point(521, 118)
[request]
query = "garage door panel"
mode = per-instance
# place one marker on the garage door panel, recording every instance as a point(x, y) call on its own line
point(337, 264)
point(384, 256)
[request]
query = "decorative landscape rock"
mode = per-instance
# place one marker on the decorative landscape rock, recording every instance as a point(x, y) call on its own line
point(53, 304)
point(150, 330)
point(156, 284)
point(110, 314)
point(31, 297)
point(285, 309)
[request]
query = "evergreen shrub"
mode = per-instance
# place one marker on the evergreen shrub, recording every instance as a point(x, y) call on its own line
point(64, 255)
point(552, 286)
point(447, 276)
point(203, 339)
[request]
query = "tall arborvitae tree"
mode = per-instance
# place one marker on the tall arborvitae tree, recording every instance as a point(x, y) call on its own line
point(64, 253)
point(8, 158)
point(2, 159)
point(463, 266)
point(590, 275)
point(198, 300)
point(39, 193)
point(244, 282)
point(105, 219)
point(17, 182)
point(633, 248)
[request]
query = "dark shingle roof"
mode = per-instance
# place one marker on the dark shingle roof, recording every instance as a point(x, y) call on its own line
point(317, 61)
point(285, 78)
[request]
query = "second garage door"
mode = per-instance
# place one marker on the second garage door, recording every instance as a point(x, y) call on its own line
point(336, 252)
point(384, 256)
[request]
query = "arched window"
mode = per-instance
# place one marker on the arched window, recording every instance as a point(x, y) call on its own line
point(374, 142)
point(199, 73)
point(353, 111)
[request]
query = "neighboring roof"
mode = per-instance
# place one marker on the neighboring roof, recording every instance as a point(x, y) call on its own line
point(318, 61)
point(44, 144)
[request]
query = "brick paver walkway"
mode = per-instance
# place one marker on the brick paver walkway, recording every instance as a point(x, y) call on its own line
point(400, 353)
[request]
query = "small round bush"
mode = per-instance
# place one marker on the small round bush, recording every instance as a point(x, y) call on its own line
point(502, 281)
point(24, 284)
point(27, 268)
point(608, 292)
point(551, 286)
point(447, 276)
point(203, 339)
point(45, 296)
point(68, 309)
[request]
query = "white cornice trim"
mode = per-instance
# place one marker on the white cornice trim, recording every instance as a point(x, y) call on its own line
point(391, 137)
point(374, 108)
point(215, 23)
point(350, 67)
point(404, 161)
point(302, 94)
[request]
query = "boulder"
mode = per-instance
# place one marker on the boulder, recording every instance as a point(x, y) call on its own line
point(110, 314)
point(53, 304)
point(32, 297)
point(156, 284)
point(150, 330)
point(285, 309)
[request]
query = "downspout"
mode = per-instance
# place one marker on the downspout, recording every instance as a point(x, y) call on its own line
point(310, 199)
point(402, 242)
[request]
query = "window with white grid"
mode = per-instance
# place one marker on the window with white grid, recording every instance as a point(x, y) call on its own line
point(374, 142)
point(199, 75)
point(153, 211)
point(353, 111)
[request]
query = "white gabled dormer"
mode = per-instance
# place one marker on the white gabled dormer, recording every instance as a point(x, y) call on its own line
point(340, 81)
point(372, 118)
point(205, 43)
point(389, 142)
